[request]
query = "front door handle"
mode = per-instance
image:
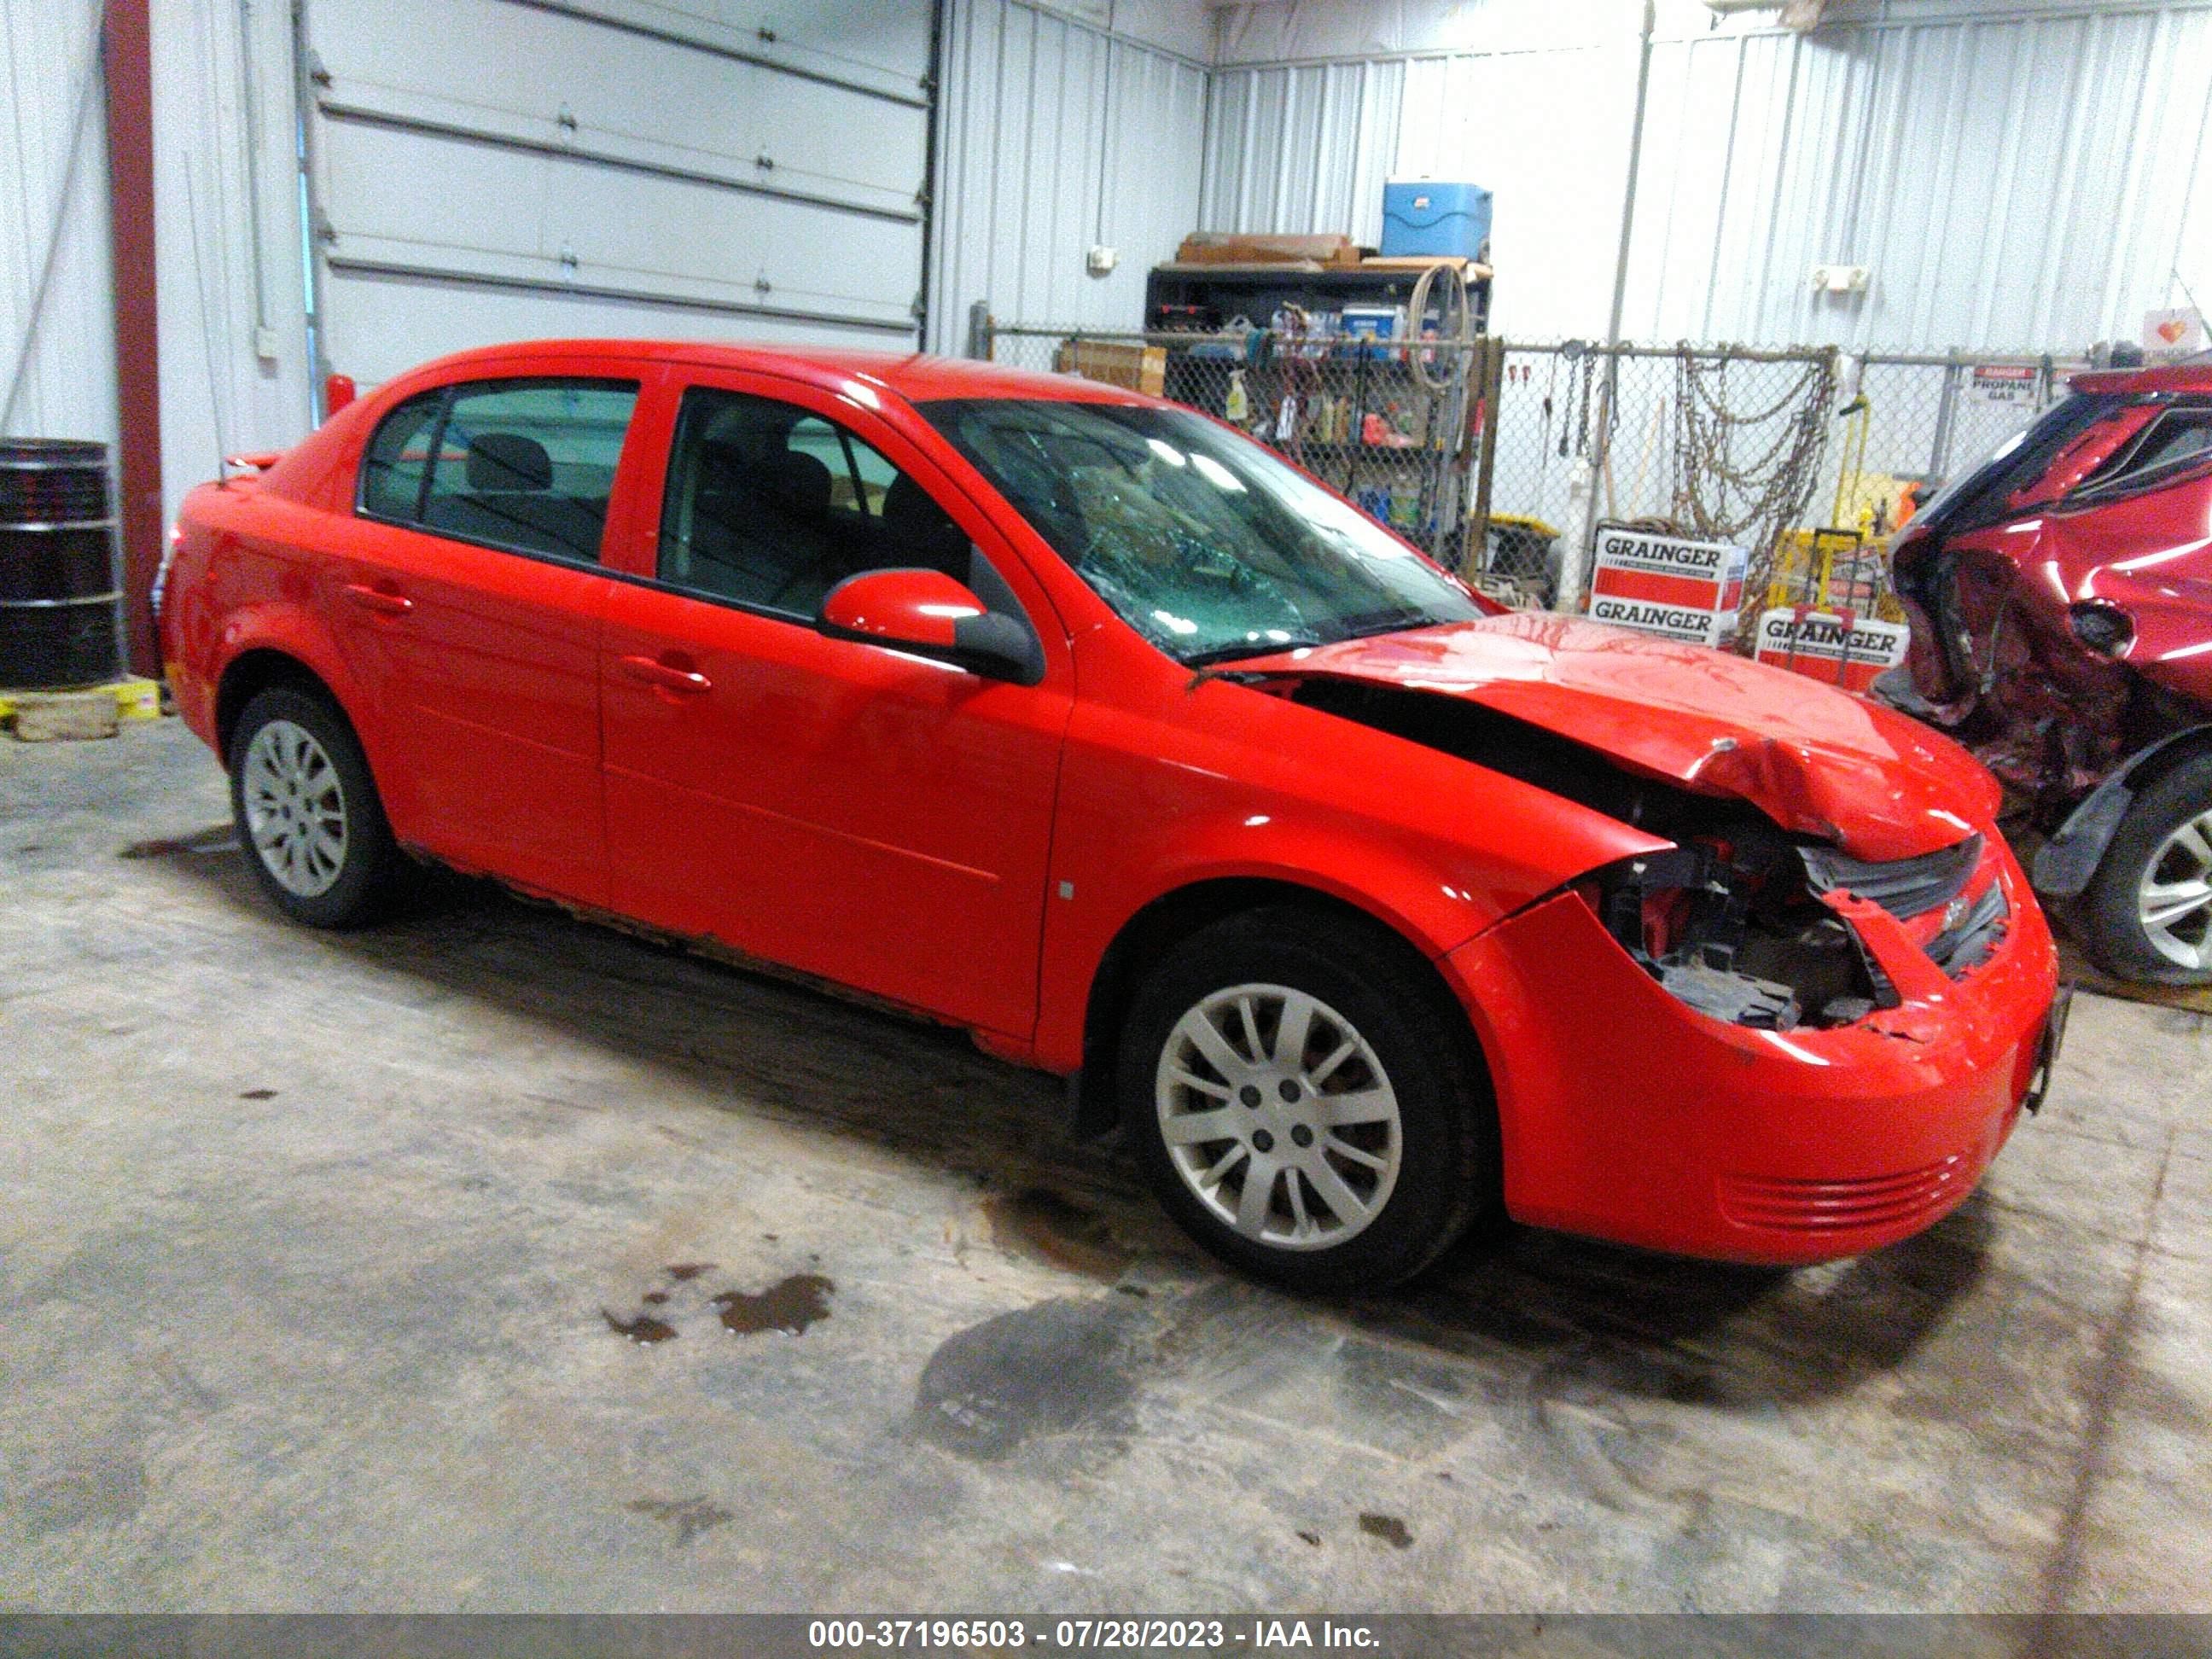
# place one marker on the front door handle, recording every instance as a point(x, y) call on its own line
point(385, 601)
point(668, 675)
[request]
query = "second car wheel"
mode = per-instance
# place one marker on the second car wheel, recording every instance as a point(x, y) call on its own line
point(2148, 909)
point(1303, 1102)
point(306, 810)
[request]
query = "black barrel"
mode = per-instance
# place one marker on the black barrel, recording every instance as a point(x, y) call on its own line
point(60, 602)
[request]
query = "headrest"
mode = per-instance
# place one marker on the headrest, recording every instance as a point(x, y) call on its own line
point(908, 509)
point(796, 484)
point(722, 465)
point(925, 531)
point(508, 460)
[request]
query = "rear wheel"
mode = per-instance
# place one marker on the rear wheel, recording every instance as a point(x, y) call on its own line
point(306, 810)
point(1302, 1104)
point(2148, 910)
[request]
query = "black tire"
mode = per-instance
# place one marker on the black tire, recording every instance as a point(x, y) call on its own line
point(1447, 1176)
point(368, 872)
point(2110, 913)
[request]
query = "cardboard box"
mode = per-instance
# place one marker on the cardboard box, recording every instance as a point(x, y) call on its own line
point(1670, 585)
point(1117, 362)
point(1815, 643)
point(1224, 247)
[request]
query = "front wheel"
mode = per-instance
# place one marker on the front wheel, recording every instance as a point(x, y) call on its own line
point(1302, 1103)
point(2148, 909)
point(307, 813)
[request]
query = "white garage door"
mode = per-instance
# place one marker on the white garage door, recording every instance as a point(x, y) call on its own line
point(490, 170)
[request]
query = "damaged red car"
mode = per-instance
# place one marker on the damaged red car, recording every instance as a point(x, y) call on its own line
point(2061, 603)
point(1081, 722)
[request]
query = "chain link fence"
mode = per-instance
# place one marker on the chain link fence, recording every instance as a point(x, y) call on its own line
point(1500, 457)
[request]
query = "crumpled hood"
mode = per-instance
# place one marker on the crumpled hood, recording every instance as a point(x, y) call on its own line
point(1817, 761)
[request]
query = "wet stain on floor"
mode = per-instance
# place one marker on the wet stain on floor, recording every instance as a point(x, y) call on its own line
point(689, 1515)
point(109, 1490)
point(645, 1329)
point(217, 838)
point(1387, 1527)
point(1058, 1231)
point(791, 1304)
point(1050, 1369)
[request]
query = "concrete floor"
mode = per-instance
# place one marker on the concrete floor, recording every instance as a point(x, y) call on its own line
point(310, 1250)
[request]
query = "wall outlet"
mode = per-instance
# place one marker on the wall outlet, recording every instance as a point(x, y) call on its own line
point(1101, 261)
point(1840, 279)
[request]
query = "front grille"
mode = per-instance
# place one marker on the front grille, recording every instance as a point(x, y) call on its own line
point(1967, 943)
point(1904, 887)
point(1828, 1207)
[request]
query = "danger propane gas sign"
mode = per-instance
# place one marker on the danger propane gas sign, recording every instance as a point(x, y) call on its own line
point(1686, 590)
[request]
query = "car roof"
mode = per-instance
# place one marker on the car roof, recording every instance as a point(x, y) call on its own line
point(916, 376)
point(2194, 375)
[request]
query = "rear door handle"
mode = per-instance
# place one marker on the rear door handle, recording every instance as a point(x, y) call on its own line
point(385, 601)
point(665, 675)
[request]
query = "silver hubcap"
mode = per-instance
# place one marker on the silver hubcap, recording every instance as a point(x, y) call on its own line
point(1279, 1117)
point(2175, 899)
point(295, 808)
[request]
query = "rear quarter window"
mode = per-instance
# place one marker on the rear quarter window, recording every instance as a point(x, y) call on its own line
point(397, 460)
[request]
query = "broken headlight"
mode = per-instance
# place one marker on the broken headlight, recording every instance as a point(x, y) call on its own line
point(1729, 927)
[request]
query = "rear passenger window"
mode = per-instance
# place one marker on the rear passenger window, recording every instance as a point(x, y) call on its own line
point(773, 506)
point(527, 464)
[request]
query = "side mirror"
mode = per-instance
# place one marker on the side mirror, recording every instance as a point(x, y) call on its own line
point(931, 615)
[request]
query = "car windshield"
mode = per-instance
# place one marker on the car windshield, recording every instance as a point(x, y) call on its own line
point(1202, 541)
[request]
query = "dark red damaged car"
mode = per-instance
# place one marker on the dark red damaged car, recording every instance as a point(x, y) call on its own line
point(2060, 601)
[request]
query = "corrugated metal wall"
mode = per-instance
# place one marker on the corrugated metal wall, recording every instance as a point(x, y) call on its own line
point(60, 365)
point(2015, 181)
point(1918, 141)
point(1340, 119)
point(1057, 135)
point(223, 78)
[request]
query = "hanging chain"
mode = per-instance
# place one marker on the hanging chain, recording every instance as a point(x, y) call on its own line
point(1725, 493)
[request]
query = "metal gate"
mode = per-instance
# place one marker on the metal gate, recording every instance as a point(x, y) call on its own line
point(486, 170)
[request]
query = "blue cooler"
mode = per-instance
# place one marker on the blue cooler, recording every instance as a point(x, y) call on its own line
point(1426, 216)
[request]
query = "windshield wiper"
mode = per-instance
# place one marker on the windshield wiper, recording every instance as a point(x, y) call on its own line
point(1247, 648)
point(1397, 622)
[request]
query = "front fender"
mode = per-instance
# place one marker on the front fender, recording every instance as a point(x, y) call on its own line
point(1436, 902)
point(2067, 863)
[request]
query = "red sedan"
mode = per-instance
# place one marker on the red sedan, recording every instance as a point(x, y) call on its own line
point(1079, 720)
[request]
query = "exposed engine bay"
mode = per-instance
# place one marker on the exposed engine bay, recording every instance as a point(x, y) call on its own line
point(1732, 918)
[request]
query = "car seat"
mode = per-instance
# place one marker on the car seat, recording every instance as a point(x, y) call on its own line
point(508, 498)
point(917, 532)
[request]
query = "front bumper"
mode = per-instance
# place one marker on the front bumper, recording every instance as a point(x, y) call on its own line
point(1625, 1115)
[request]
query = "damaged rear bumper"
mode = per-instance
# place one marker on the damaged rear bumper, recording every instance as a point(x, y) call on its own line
point(1626, 1115)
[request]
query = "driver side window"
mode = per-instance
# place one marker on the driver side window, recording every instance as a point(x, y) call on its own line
point(772, 506)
